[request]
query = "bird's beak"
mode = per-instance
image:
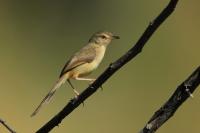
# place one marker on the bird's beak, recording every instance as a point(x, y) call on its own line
point(115, 37)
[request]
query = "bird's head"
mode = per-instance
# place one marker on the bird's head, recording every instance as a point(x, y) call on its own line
point(103, 38)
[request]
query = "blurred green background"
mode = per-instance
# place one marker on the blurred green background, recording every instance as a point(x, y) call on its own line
point(37, 38)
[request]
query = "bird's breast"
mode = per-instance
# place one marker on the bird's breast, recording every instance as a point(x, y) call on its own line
point(100, 51)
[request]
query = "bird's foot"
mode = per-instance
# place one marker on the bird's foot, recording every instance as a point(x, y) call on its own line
point(91, 81)
point(101, 88)
point(76, 93)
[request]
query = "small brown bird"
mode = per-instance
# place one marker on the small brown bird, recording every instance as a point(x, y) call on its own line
point(82, 63)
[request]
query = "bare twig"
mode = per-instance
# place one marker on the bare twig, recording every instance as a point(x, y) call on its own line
point(75, 102)
point(181, 94)
point(6, 126)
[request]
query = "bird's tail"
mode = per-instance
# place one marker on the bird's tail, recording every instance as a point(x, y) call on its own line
point(48, 97)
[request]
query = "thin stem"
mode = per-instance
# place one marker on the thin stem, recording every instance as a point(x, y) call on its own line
point(7, 126)
point(182, 93)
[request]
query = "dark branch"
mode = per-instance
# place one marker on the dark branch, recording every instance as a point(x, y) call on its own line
point(75, 102)
point(6, 126)
point(181, 94)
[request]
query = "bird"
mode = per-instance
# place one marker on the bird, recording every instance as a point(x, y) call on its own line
point(81, 64)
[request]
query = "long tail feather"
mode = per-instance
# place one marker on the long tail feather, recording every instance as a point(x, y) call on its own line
point(48, 97)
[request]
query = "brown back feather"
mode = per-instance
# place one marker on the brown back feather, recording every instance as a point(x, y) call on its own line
point(85, 55)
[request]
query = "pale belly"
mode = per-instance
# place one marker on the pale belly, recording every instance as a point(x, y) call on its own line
point(87, 68)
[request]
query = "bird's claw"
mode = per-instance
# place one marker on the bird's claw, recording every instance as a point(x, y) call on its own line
point(101, 88)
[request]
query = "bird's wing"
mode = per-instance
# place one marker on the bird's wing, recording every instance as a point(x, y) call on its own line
point(85, 55)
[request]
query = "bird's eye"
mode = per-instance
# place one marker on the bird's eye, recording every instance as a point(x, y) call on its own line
point(104, 37)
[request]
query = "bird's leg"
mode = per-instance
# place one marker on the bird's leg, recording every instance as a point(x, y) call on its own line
point(85, 79)
point(88, 79)
point(75, 91)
